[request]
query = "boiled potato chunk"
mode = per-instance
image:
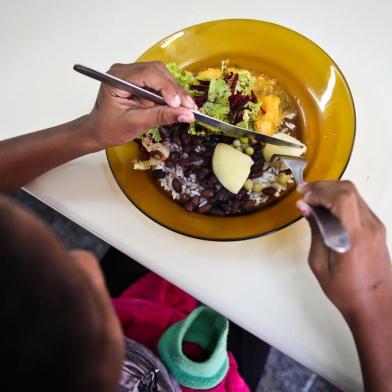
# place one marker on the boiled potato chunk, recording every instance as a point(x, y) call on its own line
point(271, 149)
point(231, 167)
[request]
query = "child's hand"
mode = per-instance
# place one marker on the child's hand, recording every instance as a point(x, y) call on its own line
point(356, 280)
point(118, 116)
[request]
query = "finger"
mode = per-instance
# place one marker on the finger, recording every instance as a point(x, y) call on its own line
point(318, 250)
point(155, 76)
point(145, 75)
point(319, 253)
point(135, 103)
point(157, 116)
point(158, 77)
point(341, 198)
point(186, 100)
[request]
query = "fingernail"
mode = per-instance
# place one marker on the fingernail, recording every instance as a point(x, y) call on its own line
point(195, 107)
point(307, 196)
point(176, 101)
point(303, 207)
point(190, 101)
point(185, 119)
point(301, 187)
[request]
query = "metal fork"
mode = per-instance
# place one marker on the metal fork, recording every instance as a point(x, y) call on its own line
point(334, 235)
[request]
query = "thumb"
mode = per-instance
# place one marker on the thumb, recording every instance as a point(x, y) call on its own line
point(158, 115)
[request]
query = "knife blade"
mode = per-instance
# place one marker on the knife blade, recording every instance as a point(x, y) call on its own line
point(227, 129)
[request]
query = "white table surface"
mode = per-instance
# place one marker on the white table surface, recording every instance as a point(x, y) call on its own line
point(264, 284)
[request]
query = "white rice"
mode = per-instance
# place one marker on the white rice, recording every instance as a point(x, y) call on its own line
point(192, 188)
point(290, 116)
point(289, 125)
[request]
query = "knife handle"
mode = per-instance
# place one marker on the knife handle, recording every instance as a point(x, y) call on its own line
point(119, 83)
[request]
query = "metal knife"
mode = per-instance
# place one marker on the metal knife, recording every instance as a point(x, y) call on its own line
point(227, 129)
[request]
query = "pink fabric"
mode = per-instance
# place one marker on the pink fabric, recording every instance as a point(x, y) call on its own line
point(150, 306)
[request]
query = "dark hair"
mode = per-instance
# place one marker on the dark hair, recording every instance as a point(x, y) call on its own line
point(50, 335)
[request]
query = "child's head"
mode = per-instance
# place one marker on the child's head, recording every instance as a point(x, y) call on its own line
point(58, 329)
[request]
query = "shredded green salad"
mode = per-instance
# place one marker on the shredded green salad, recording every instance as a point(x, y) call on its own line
point(228, 97)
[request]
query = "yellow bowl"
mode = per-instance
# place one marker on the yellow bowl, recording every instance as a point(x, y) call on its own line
point(303, 68)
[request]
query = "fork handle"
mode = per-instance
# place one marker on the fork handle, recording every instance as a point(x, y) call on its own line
point(331, 229)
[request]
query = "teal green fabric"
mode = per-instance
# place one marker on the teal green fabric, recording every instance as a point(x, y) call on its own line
point(209, 330)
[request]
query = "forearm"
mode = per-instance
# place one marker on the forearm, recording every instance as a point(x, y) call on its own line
point(372, 331)
point(25, 157)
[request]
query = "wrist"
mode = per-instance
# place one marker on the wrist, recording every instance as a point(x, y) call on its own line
point(371, 308)
point(87, 133)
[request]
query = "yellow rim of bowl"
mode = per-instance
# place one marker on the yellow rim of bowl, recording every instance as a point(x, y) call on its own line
point(292, 221)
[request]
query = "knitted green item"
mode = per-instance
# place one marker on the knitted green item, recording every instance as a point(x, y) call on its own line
point(209, 330)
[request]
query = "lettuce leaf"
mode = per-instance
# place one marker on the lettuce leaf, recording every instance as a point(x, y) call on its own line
point(151, 146)
point(146, 165)
point(193, 131)
point(250, 113)
point(216, 110)
point(219, 92)
point(245, 83)
point(154, 132)
point(184, 78)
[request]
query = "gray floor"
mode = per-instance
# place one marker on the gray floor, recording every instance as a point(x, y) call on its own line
point(282, 374)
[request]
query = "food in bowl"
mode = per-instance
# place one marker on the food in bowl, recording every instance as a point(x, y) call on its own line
point(210, 173)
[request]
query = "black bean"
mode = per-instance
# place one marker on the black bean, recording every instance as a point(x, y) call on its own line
point(189, 206)
point(201, 173)
point(214, 198)
point(226, 207)
point(174, 157)
point(158, 174)
point(257, 156)
point(145, 155)
point(207, 193)
point(206, 208)
point(188, 171)
point(269, 191)
point(194, 156)
point(169, 163)
point(203, 183)
point(213, 179)
point(208, 153)
point(164, 132)
point(184, 162)
point(187, 148)
point(176, 184)
point(195, 200)
point(249, 205)
point(227, 196)
point(184, 197)
point(222, 194)
point(216, 211)
point(235, 207)
point(197, 140)
point(225, 139)
point(177, 140)
point(185, 138)
point(256, 170)
point(240, 195)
